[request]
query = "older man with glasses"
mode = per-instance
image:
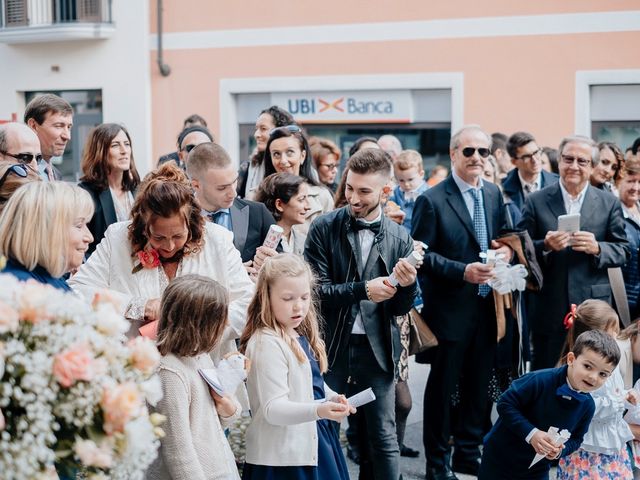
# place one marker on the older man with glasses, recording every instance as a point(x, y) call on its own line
point(574, 259)
point(19, 144)
point(458, 219)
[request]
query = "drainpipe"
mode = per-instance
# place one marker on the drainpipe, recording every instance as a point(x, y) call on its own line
point(165, 70)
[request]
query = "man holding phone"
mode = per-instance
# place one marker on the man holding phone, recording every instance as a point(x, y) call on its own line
point(574, 263)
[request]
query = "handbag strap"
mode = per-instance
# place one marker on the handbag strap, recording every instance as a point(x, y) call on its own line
point(619, 295)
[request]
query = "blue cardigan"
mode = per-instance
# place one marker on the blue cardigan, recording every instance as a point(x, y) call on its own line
point(540, 400)
point(39, 274)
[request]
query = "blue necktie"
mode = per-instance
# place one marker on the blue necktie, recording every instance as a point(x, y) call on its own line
point(219, 218)
point(480, 226)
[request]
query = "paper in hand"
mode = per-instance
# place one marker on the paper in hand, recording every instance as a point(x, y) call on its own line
point(557, 437)
point(361, 398)
point(228, 375)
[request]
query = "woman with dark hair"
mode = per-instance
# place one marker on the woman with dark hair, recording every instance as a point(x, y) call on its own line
point(326, 159)
point(288, 151)
point(252, 171)
point(285, 196)
point(167, 237)
point(610, 161)
point(109, 175)
point(362, 143)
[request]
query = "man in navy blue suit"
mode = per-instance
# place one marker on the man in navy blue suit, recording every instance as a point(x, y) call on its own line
point(528, 176)
point(459, 218)
point(215, 181)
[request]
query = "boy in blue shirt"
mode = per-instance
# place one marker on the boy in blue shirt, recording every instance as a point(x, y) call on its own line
point(555, 397)
point(409, 173)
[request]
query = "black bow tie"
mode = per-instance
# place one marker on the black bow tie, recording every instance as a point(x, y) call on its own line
point(359, 224)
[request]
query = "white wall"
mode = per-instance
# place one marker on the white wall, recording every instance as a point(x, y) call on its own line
point(119, 66)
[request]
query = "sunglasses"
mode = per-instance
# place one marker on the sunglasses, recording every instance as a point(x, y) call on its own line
point(286, 128)
point(23, 157)
point(569, 160)
point(18, 169)
point(469, 151)
point(189, 147)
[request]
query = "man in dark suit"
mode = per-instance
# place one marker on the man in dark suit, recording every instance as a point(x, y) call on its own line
point(528, 176)
point(51, 117)
point(575, 264)
point(458, 219)
point(214, 180)
point(353, 250)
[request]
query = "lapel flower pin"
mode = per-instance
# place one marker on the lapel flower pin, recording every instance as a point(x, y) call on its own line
point(148, 259)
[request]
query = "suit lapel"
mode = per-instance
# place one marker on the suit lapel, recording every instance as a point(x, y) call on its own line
point(108, 209)
point(239, 224)
point(555, 201)
point(456, 202)
point(489, 202)
point(589, 208)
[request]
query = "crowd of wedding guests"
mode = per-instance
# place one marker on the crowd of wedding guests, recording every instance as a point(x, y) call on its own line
point(183, 252)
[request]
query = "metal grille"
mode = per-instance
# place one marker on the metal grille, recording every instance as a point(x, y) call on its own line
point(89, 10)
point(15, 13)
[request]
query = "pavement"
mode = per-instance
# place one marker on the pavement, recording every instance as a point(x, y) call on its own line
point(415, 468)
point(412, 468)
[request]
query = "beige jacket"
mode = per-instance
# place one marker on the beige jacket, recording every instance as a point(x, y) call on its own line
point(283, 428)
point(195, 446)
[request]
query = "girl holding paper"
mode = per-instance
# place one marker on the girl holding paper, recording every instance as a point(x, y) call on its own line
point(193, 316)
point(290, 436)
point(604, 452)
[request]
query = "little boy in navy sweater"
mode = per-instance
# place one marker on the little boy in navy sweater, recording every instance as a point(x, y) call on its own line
point(409, 174)
point(555, 397)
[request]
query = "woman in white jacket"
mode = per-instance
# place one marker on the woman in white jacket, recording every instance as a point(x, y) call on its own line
point(166, 238)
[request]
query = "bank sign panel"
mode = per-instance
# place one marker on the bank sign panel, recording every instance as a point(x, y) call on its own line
point(392, 106)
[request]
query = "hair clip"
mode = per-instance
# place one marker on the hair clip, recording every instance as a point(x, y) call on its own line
point(570, 317)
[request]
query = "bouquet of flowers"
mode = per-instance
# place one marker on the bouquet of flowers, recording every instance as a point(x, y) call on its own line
point(73, 394)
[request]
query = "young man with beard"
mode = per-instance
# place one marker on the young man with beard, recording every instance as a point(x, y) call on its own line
point(353, 250)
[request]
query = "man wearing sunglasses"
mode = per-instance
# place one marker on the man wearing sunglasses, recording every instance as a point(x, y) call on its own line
point(19, 144)
point(458, 219)
point(574, 264)
point(528, 176)
point(51, 118)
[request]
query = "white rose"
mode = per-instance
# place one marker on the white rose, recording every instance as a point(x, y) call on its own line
point(109, 322)
point(152, 390)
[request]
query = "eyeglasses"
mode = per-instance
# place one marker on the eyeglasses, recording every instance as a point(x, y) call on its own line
point(329, 166)
point(189, 147)
point(18, 169)
point(469, 151)
point(23, 157)
point(287, 128)
point(582, 162)
point(529, 156)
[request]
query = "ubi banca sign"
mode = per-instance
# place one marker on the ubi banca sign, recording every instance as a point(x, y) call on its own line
point(393, 106)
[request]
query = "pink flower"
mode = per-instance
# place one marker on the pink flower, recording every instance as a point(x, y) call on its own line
point(73, 364)
point(149, 258)
point(120, 404)
point(144, 354)
point(9, 318)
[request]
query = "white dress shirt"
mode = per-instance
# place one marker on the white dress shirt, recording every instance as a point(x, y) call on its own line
point(366, 238)
point(573, 204)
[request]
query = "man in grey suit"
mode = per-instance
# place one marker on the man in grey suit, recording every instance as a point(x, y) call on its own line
point(574, 264)
point(215, 180)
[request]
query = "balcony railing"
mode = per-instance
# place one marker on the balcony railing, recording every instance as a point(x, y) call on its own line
point(28, 21)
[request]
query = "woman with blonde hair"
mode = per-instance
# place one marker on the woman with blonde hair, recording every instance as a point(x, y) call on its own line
point(43, 231)
point(167, 237)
